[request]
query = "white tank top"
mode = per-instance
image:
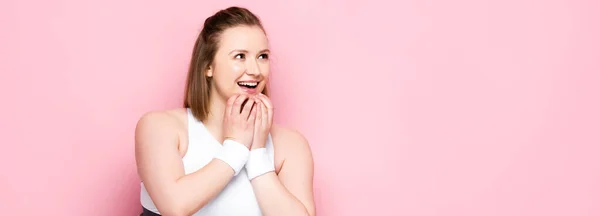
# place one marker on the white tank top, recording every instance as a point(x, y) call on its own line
point(237, 198)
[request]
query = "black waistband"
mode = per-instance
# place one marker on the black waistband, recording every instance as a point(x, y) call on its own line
point(147, 212)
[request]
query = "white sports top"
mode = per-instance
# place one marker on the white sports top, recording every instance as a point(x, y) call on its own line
point(237, 198)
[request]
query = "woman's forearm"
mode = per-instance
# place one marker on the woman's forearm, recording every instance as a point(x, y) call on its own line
point(274, 199)
point(198, 188)
point(195, 190)
point(191, 192)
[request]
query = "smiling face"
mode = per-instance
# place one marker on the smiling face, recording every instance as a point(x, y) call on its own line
point(241, 63)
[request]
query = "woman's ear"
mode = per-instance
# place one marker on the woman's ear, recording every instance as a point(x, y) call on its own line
point(209, 72)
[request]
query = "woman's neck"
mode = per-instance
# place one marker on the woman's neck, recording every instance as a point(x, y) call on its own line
point(214, 119)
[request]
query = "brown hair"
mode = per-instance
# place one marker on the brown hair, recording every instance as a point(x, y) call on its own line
point(197, 89)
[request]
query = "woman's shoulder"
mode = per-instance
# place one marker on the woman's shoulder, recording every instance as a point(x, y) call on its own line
point(168, 116)
point(291, 148)
point(289, 138)
point(162, 121)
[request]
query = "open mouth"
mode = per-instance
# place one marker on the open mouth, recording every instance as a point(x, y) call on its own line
point(250, 85)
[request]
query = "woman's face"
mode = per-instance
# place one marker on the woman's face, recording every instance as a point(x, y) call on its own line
point(241, 63)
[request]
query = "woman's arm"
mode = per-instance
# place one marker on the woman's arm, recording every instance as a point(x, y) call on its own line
point(161, 169)
point(291, 191)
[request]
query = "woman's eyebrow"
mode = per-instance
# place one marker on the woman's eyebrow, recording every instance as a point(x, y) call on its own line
point(246, 51)
point(238, 50)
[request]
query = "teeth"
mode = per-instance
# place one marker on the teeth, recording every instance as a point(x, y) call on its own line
point(248, 83)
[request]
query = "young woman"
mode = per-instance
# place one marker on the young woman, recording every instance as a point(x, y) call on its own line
point(221, 154)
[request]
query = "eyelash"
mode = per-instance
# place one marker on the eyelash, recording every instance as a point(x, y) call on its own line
point(264, 56)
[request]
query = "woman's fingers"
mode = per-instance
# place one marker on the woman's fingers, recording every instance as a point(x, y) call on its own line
point(259, 104)
point(269, 108)
point(266, 101)
point(247, 108)
point(230, 103)
point(237, 106)
point(265, 114)
point(259, 114)
point(253, 115)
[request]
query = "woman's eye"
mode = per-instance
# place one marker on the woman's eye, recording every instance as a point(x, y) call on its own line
point(240, 56)
point(264, 56)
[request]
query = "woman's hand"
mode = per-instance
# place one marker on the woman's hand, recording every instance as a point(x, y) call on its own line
point(239, 119)
point(263, 122)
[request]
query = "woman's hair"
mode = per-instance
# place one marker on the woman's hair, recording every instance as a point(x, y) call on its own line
point(197, 89)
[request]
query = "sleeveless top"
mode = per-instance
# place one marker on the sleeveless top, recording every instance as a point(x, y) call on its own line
point(237, 198)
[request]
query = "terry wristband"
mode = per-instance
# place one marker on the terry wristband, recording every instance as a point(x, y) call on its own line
point(259, 162)
point(235, 154)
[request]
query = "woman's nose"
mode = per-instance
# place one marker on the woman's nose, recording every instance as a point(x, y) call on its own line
point(252, 68)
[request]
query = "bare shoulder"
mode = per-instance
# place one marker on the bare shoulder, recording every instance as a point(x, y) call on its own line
point(162, 120)
point(161, 123)
point(289, 139)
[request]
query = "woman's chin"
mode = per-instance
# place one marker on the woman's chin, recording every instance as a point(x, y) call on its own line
point(241, 92)
point(250, 91)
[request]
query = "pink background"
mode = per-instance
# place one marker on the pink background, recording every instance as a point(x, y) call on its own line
point(412, 107)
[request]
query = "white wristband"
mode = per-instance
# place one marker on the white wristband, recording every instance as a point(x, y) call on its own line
point(259, 163)
point(235, 154)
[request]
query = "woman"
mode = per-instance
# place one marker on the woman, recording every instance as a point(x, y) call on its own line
point(221, 154)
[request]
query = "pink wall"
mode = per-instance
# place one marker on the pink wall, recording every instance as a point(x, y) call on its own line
point(414, 108)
